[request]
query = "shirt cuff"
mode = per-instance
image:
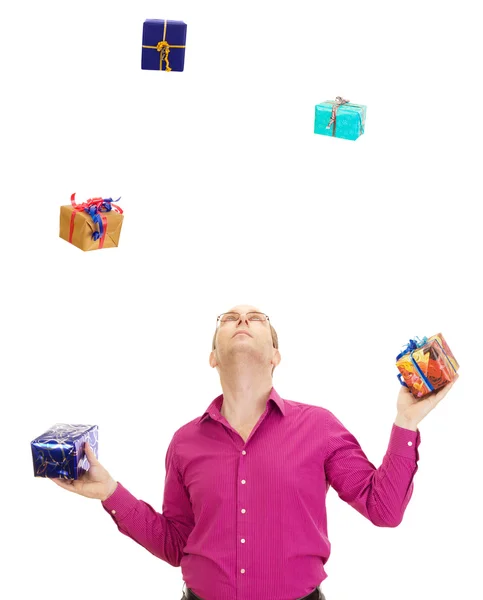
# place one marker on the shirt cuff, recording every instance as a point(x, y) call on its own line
point(120, 503)
point(404, 442)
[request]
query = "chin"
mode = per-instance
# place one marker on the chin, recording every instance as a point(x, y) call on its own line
point(245, 353)
point(242, 348)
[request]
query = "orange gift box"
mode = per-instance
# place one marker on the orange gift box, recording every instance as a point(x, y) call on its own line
point(92, 225)
point(426, 365)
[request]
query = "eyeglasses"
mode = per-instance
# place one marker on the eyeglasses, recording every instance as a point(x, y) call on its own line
point(233, 317)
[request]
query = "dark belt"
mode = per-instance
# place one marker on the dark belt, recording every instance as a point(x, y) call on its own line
point(315, 595)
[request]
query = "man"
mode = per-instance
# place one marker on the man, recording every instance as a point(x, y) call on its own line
point(244, 499)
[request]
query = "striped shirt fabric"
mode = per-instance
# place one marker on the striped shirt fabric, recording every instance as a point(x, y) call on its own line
point(248, 520)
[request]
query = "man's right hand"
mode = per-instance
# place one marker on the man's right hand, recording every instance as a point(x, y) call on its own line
point(95, 483)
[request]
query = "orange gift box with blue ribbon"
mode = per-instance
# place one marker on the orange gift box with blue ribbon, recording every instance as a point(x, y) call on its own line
point(426, 365)
point(92, 225)
point(164, 45)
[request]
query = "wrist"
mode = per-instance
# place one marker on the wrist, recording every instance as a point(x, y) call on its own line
point(111, 490)
point(401, 421)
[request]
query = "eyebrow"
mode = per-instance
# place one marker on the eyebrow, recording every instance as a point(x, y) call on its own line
point(248, 311)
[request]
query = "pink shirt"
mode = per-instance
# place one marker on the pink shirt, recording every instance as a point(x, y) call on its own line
point(248, 520)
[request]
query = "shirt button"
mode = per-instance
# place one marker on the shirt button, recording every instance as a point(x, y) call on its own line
point(243, 452)
point(410, 443)
point(113, 512)
point(242, 570)
point(242, 541)
point(243, 481)
point(243, 510)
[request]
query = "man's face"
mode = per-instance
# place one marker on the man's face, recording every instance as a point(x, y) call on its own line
point(247, 334)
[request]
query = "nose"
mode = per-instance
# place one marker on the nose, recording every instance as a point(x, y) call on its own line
point(243, 318)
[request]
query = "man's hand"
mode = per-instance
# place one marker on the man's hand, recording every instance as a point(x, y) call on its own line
point(95, 483)
point(411, 411)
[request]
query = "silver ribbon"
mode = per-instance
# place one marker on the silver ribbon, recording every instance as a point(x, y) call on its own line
point(339, 101)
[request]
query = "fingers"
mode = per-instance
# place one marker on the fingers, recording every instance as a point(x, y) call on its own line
point(67, 484)
point(442, 392)
point(405, 392)
point(91, 457)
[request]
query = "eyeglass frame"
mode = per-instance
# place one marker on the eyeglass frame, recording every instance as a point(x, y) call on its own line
point(250, 312)
point(272, 330)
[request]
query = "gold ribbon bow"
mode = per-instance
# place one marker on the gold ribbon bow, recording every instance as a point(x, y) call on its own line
point(163, 48)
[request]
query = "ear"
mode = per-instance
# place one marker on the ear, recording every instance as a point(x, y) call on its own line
point(276, 358)
point(213, 361)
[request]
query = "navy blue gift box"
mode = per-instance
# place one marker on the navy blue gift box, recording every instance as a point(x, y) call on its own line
point(59, 452)
point(163, 45)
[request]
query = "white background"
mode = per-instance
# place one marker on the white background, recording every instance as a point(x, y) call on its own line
point(229, 197)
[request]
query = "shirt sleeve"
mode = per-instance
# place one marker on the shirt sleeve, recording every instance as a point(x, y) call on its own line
point(163, 534)
point(381, 495)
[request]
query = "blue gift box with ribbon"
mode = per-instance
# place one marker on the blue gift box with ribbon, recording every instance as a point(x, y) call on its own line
point(340, 119)
point(59, 452)
point(164, 45)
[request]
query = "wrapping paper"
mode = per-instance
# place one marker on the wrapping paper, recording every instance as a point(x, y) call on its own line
point(426, 365)
point(59, 452)
point(164, 45)
point(349, 122)
point(92, 225)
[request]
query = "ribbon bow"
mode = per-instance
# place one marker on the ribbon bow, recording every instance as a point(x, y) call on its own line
point(412, 345)
point(94, 207)
point(163, 47)
point(339, 101)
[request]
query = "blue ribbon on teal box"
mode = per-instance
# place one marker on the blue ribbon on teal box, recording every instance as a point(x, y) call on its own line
point(59, 452)
point(340, 118)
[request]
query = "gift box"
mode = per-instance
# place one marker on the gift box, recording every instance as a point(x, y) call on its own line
point(426, 365)
point(340, 119)
point(93, 225)
point(59, 452)
point(163, 45)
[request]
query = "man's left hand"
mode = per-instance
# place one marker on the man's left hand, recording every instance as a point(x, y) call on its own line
point(411, 411)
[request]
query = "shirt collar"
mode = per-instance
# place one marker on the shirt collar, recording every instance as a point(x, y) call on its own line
point(214, 408)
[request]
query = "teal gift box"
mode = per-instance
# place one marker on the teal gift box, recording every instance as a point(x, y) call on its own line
point(340, 118)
